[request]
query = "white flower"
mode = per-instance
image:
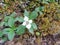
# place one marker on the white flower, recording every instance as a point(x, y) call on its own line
point(27, 22)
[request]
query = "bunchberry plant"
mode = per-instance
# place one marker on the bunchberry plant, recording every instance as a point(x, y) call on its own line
point(27, 23)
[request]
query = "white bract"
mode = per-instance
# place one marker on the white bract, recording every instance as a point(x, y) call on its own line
point(27, 22)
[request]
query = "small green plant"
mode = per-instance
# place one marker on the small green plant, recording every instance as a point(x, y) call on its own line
point(27, 23)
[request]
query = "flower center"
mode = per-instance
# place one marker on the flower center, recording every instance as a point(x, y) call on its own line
point(27, 22)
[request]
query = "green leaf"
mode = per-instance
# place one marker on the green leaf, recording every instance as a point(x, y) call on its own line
point(20, 30)
point(13, 28)
point(6, 24)
point(31, 30)
point(13, 14)
point(52, 0)
point(6, 18)
point(2, 23)
point(41, 8)
point(11, 35)
point(33, 15)
point(26, 13)
point(7, 30)
point(1, 33)
point(34, 26)
point(45, 1)
point(20, 19)
point(37, 9)
point(11, 22)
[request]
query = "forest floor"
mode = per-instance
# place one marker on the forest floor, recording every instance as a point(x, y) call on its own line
point(48, 23)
